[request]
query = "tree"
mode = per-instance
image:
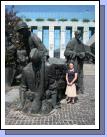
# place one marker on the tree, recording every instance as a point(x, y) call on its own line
point(28, 19)
point(39, 19)
point(74, 19)
point(62, 19)
point(10, 21)
point(86, 20)
point(51, 19)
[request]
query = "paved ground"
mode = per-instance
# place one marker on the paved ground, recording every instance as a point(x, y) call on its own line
point(80, 113)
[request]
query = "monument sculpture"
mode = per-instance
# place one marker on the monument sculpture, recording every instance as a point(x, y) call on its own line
point(43, 80)
point(76, 51)
point(10, 60)
point(43, 84)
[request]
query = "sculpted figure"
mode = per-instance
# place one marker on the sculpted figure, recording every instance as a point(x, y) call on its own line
point(25, 42)
point(76, 51)
point(32, 86)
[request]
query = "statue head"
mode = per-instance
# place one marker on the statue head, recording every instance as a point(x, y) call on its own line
point(21, 25)
point(77, 34)
point(22, 28)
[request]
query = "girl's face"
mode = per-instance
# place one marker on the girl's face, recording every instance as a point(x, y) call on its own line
point(71, 65)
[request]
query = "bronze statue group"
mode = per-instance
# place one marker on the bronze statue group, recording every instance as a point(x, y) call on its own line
point(43, 81)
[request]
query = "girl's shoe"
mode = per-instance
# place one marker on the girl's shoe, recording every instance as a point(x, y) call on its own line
point(67, 99)
point(73, 102)
point(69, 102)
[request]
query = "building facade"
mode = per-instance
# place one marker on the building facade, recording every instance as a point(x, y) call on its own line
point(56, 34)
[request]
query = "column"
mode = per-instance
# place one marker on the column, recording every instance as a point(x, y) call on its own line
point(51, 41)
point(39, 28)
point(62, 42)
point(74, 28)
point(86, 34)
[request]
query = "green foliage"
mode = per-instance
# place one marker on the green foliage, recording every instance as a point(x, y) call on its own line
point(39, 19)
point(62, 19)
point(86, 20)
point(51, 19)
point(28, 19)
point(10, 20)
point(21, 19)
point(74, 19)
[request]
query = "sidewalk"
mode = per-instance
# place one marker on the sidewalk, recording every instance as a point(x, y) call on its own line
point(80, 113)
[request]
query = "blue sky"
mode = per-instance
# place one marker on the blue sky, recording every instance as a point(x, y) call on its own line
point(56, 11)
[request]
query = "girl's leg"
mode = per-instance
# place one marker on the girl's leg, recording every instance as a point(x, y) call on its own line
point(73, 100)
point(67, 98)
point(70, 99)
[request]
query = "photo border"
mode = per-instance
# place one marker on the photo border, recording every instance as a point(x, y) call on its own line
point(67, 129)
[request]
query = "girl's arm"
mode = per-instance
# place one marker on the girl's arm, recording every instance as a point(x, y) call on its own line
point(75, 78)
point(67, 78)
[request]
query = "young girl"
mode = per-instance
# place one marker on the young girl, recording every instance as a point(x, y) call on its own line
point(71, 77)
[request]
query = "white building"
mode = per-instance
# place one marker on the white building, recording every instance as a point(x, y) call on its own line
point(56, 34)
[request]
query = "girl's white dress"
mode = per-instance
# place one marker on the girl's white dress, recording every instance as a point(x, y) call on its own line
point(71, 90)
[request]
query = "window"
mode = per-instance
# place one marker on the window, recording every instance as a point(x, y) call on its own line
point(57, 37)
point(34, 29)
point(91, 31)
point(68, 34)
point(45, 36)
point(81, 31)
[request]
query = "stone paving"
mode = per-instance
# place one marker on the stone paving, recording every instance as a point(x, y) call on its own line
point(80, 113)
